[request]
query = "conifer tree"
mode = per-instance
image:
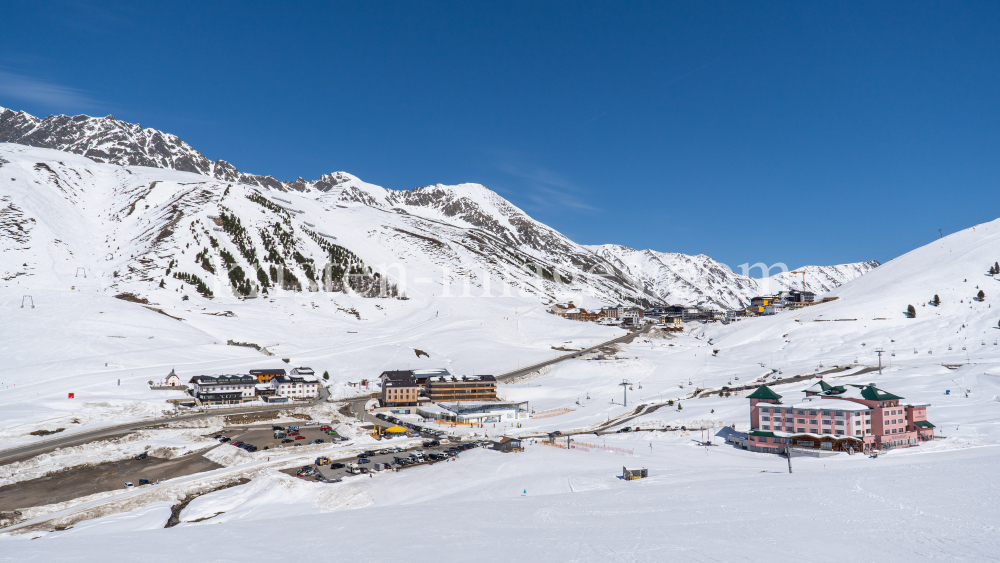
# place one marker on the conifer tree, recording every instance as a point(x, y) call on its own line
point(936, 301)
point(911, 312)
point(981, 295)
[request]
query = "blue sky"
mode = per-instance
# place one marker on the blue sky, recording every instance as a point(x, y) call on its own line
point(801, 132)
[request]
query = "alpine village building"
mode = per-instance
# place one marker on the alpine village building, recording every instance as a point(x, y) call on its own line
point(836, 418)
point(399, 389)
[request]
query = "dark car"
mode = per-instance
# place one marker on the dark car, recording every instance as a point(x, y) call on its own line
point(143, 482)
point(237, 443)
point(287, 441)
point(319, 440)
point(368, 453)
point(217, 436)
point(277, 428)
point(337, 466)
point(143, 455)
point(364, 460)
point(224, 439)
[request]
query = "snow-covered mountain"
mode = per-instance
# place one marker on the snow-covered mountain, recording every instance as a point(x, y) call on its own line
point(138, 226)
point(106, 139)
point(700, 280)
point(455, 229)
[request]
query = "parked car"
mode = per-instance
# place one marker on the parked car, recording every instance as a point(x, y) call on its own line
point(143, 455)
point(325, 427)
point(364, 460)
point(300, 437)
point(224, 439)
point(277, 428)
point(319, 440)
point(129, 485)
point(217, 436)
point(287, 441)
point(143, 482)
point(337, 466)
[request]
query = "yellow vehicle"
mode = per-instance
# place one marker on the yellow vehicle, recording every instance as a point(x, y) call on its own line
point(323, 461)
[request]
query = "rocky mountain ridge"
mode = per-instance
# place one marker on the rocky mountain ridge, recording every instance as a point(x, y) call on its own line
point(453, 226)
point(703, 281)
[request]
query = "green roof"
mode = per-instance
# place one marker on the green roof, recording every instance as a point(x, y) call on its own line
point(824, 385)
point(872, 393)
point(764, 392)
point(762, 433)
point(923, 424)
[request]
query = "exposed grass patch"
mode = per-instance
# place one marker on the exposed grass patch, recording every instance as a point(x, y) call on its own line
point(46, 432)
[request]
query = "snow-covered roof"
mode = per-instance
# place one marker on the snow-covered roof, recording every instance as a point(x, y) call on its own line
point(429, 372)
point(818, 403)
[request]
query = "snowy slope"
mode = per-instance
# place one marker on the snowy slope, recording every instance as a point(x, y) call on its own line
point(491, 228)
point(699, 280)
point(871, 311)
point(148, 217)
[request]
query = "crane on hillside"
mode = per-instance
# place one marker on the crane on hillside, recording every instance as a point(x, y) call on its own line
point(803, 272)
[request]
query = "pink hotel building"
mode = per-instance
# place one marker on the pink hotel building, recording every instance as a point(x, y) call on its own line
point(836, 417)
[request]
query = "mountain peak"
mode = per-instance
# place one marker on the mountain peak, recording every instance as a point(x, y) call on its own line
point(110, 140)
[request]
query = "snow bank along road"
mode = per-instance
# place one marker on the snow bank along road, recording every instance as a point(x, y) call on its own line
point(30, 450)
point(526, 370)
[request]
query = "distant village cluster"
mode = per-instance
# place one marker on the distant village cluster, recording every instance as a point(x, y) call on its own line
point(673, 317)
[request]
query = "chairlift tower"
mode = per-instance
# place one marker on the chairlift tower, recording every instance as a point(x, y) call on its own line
point(879, 351)
point(625, 385)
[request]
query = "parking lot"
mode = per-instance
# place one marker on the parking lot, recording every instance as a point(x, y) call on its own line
point(262, 436)
point(385, 455)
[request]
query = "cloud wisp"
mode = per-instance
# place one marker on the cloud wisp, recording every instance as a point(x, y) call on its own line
point(47, 94)
point(545, 187)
